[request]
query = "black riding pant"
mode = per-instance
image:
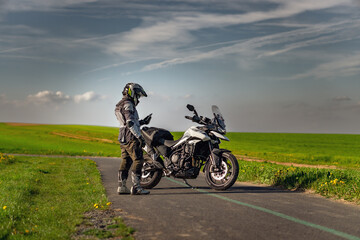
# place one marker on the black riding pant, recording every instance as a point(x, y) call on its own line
point(132, 158)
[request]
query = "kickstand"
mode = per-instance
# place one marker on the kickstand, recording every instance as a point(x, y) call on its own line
point(188, 184)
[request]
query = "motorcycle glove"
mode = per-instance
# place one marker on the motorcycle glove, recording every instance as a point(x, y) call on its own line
point(146, 120)
point(142, 141)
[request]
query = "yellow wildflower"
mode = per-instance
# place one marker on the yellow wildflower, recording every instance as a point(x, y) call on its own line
point(27, 231)
point(108, 204)
point(4, 207)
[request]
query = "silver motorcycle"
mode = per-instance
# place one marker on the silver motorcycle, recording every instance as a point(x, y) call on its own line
point(184, 158)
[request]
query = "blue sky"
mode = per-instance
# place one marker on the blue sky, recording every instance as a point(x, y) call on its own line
point(270, 65)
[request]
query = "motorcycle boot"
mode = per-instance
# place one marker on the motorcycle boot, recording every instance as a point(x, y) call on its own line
point(136, 189)
point(122, 188)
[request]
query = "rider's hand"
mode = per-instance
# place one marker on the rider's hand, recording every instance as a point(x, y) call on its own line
point(146, 120)
point(142, 141)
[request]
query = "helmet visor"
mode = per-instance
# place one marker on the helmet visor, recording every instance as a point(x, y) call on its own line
point(139, 91)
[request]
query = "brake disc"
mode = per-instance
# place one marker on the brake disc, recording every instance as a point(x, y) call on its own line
point(220, 174)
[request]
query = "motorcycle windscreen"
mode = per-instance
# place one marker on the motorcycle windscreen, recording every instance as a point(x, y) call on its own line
point(218, 116)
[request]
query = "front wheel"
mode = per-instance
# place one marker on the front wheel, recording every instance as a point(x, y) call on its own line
point(224, 177)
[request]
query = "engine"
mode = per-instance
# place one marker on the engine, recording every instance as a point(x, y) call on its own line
point(183, 162)
point(175, 157)
point(183, 156)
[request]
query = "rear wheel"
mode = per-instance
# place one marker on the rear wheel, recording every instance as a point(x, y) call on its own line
point(225, 177)
point(150, 175)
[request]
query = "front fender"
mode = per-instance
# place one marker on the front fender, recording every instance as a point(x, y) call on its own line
point(215, 157)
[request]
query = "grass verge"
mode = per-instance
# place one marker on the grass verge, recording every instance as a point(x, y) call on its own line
point(335, 183)
point(45, 198)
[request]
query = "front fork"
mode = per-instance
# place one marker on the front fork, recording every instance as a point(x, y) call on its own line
point(215, 156)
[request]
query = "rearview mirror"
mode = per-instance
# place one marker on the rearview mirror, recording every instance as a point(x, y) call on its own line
point(190, 107)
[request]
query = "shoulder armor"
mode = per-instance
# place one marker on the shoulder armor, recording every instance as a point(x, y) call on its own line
point(129, 106)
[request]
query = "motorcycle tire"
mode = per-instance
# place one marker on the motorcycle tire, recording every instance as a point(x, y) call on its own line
point(149, 179)
point(224, 179)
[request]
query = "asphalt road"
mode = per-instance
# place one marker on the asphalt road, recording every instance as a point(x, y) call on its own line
point(245, 211)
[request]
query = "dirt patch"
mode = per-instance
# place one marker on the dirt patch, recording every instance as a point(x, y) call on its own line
point(17, 124)
point(103, 224)
point(245, 158)
point(86, 138)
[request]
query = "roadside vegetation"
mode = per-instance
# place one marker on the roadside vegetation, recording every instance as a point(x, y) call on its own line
point(341, 150)
point(46, 198)
point(335, 183)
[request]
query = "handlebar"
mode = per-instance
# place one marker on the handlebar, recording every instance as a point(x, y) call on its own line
point(194, 118)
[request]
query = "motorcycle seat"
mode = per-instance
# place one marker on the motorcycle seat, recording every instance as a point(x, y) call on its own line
point(170, 143)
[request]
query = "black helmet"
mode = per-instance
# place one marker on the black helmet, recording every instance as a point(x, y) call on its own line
point(134, 91)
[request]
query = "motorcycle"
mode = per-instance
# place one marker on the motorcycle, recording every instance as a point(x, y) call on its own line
point(185, 157)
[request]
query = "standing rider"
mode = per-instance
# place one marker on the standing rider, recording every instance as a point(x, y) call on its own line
point(130, 138)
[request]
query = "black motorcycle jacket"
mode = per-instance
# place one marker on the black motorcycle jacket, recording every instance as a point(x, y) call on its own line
point(128, 118)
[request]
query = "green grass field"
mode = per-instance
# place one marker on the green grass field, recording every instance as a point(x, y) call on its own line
point(45, 198)
point(42, 139)
point(342, 150)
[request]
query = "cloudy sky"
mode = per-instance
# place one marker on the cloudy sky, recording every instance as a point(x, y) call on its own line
point(270, 65)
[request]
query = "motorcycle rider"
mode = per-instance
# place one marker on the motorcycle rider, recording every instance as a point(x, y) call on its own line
point(130, 138)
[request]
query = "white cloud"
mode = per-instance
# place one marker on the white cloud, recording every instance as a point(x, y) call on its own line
point(114, 65)
point(165, 37)
point(300, 38)
point(341, 99)
point(3, 99)
point(46, 96)
point(40, 5)
point(187, 96)
point(343, 66)
point(50, 97)
point(12, 50)
point(87, 97)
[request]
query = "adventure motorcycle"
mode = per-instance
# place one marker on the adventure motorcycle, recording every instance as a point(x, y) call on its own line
point(183, 158)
